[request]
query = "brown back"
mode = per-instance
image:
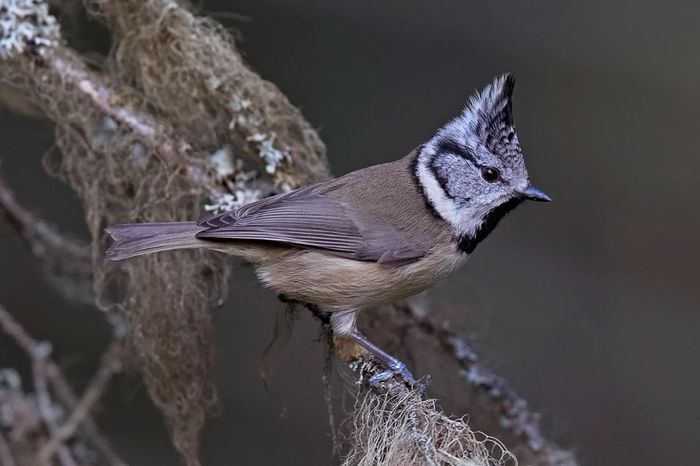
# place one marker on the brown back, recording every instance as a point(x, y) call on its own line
point(375, 214)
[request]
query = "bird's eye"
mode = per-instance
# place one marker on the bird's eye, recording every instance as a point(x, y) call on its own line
point(489, 174)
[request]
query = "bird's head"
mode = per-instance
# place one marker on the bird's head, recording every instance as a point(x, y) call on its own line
point(472, 171)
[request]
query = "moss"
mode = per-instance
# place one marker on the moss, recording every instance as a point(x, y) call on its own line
point(401, 428)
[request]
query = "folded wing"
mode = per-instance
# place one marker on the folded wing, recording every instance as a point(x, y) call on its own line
point(309, 218)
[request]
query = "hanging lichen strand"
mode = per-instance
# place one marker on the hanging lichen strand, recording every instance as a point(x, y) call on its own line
point(178, 124)
point(188, 71)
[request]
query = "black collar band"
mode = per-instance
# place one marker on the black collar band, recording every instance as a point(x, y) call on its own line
point(467, 243)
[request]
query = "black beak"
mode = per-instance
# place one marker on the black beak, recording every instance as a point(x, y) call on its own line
point(535, 194)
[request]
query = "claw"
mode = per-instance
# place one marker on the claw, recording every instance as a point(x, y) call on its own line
point(393, 366)
point(377, 379)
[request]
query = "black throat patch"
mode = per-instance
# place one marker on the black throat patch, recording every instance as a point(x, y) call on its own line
point(467, 243)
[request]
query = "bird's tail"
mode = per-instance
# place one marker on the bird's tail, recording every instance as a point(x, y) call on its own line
point(136, 239)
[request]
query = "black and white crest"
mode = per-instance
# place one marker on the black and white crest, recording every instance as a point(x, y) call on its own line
point(490, 116)
point(486, 123)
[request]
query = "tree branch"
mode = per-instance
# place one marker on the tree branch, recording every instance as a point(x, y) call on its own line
point(66, 263)
point(64, 260)
point(109, 366)
point(60, 72)
point(46, 407)
point(48, 375)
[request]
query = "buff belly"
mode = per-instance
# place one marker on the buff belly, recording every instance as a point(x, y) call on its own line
point(338, 284)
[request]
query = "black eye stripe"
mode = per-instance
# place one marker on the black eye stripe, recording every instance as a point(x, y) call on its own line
point(453, 147)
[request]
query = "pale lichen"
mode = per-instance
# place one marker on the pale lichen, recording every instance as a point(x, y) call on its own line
point(270, 155)
point(248, 120)
point(241, 194)
point(240, 103)
point(26, 25)
point(222, 162)
point(238, 181)
point(19, 412)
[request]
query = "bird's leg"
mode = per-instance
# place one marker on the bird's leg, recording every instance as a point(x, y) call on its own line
point(392, 365)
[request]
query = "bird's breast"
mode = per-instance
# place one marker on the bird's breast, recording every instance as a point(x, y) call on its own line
point(325, 280)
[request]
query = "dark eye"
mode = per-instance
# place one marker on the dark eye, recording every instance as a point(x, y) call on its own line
point(489, 174)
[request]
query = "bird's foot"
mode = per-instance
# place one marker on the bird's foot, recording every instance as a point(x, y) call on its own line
point(393, 368)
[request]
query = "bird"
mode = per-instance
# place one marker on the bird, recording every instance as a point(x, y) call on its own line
point(375, 235)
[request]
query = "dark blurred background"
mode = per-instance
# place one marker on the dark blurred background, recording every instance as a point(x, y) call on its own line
point(589, 306)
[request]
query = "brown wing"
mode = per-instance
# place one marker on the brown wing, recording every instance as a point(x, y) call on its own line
point(309, 218)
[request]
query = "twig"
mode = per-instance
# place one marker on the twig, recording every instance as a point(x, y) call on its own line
point(68, 398)
point(47, 372)
point(65, 261)
point(66, 69)
point(38, 352)
point(46, 408)
point(12, 328)
point(47, 242)
point(109, 366)
point(19, 217)
point(64, 63)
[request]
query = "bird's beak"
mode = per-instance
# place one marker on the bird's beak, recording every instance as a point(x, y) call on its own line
point(535, 194)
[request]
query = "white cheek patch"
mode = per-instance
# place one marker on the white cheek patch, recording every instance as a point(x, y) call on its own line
point(464, 220)
point(445, 206)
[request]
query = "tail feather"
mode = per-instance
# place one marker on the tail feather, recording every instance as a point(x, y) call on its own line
point(136, 239)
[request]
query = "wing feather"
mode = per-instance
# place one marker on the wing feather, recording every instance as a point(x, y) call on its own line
point(309, 218)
